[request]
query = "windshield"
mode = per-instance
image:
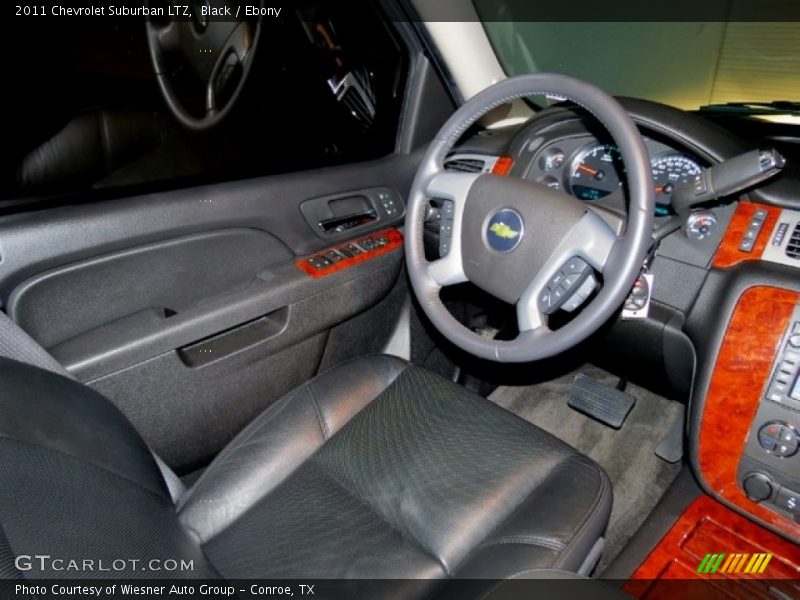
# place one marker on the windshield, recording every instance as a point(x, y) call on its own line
point(687, 65)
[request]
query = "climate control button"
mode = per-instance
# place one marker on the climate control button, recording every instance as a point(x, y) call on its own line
point(779, 438)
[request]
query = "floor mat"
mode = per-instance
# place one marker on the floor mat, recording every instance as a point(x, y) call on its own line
point(628, 454)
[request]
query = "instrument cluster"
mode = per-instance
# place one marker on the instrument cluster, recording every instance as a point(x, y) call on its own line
point(592, 170)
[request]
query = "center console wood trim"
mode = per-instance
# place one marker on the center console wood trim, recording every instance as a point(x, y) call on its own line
point(708, 527)
point(741, 371)
point(728, 254)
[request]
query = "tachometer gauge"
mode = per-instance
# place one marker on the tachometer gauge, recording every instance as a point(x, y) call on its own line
point(595, 172)
point(669, 171)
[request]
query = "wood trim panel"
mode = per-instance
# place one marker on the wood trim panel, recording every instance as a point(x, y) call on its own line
point(707, 526)
point(728, 253)
point(395, 240)
point(743, 366)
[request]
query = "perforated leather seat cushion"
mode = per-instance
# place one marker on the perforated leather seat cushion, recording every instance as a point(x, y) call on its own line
point(395, 472)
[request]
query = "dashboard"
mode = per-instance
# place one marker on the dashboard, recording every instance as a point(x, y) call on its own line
point(566, 149)
point(723, 325)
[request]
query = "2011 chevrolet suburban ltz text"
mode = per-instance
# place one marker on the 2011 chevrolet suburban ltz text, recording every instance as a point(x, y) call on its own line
point(401, 299)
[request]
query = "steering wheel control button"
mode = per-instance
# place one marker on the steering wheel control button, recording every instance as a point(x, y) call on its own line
point(446, 227)
point(583, 293)
point(565, 290)
point(504, 230)
point(758, 487)
point(576, 265)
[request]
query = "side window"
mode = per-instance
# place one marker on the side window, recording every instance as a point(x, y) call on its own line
point(324, 87)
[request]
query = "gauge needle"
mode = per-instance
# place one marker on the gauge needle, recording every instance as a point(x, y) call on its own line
point(587, 169)
point(659, 189)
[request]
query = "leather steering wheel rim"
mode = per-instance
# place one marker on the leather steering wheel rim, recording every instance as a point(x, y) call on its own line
point(618, 259)
point(205, 47)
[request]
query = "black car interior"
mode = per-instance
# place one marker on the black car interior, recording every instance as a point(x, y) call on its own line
point(253, 314)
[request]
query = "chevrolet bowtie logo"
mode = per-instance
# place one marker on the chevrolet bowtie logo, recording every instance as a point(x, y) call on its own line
point(502, 230)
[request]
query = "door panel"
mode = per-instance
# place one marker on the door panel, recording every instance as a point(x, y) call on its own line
point(157, 280)
point(187, 308)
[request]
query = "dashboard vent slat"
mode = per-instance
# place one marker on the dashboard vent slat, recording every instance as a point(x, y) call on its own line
point(465, 165)
point(793, 247)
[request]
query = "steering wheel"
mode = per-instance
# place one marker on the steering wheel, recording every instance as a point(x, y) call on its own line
point(523, 242)
point(219, 53)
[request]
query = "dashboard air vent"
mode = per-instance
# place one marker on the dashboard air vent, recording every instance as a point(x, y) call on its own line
point(793, 247)
point(465, 165)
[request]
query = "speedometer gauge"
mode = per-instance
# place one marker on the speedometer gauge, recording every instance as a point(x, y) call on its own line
point(669, 171)
point(595, 172)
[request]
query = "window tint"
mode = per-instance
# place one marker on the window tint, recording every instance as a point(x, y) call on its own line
point(325, 88)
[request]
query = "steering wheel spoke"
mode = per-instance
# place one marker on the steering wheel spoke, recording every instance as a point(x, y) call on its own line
point(452, 190)
point(448, 185)
point(447, 270)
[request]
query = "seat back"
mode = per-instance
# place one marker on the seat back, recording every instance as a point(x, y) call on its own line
point(78, 482)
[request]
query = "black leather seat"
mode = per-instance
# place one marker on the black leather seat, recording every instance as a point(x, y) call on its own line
point(374, 470)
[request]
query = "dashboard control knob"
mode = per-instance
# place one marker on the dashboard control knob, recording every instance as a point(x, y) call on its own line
point(757, 486)
point(700, 224)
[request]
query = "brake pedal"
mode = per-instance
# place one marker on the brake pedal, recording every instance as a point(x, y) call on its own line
point(600, 401)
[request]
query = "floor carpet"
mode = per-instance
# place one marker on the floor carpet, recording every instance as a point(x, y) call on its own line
point(628, 454)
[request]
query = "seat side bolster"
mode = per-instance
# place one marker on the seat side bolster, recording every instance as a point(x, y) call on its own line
point(278, 441)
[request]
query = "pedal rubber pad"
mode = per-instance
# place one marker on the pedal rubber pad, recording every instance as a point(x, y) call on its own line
point(600, 401)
